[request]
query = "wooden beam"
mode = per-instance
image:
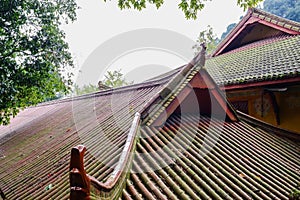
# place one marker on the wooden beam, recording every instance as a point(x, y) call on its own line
point(173, 106)
point(275, 26)
point(261, 84)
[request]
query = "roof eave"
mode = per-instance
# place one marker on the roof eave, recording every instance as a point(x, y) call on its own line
point(268, 127)
point(232, 34)
point(266, 83)
point(255, 15)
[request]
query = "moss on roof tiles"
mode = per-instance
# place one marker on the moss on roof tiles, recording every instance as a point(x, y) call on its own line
point(37, 154)
point(244, 162)
point(271, 59)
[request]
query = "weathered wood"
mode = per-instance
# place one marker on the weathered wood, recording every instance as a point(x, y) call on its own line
point(79, 181)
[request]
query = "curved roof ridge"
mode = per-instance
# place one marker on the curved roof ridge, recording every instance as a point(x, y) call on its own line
point(148, 83)
point(80, 181)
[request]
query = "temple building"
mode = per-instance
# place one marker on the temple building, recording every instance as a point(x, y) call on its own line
point(222, 127)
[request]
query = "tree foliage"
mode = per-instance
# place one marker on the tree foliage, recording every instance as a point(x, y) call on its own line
point(112, 79)
point(209, 38)
point(245, 4)
point(85, 89)
point(190, 8)
point(228, 29)
point(289, 9)
point(115, 79)
point(33, 53)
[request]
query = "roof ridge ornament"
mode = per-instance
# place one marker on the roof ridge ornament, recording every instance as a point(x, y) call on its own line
point(177, 83)
point(199, 60)
point(81, 183)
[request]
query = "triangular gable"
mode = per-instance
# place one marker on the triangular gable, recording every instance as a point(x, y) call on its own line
point(256, 25)
point(191, 91)
point(200, 96)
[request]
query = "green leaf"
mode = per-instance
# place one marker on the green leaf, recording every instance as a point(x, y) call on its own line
point(115, 79)
point(34, 55)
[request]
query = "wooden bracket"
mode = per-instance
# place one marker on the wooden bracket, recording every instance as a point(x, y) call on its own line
point(275, 105)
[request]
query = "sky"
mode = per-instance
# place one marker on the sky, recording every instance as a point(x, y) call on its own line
point(140, 43)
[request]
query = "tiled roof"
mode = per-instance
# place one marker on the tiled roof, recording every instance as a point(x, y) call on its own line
point(270, 59)
point(190, 158)
point(280, 21)
point(244, 162)
point(35, 153)
point(273, 25)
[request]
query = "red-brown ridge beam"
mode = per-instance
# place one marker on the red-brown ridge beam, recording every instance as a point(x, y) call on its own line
point(199, 60)
point(174, 80)
point(260, 83)
point(230, 112)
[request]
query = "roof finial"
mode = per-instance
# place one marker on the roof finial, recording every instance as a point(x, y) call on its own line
point(199, 60)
